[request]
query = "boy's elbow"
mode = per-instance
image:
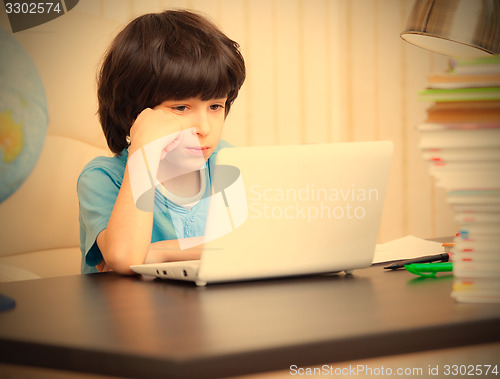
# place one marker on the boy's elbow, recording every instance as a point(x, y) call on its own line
point(119, 255)
point(122, 268)
point(121, 263)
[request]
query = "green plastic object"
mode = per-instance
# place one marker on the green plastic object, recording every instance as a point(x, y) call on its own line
point(429, 270)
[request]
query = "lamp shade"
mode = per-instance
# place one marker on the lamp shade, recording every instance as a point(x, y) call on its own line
point(458, 28)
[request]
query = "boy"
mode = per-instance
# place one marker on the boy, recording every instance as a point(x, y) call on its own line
point(165, 88)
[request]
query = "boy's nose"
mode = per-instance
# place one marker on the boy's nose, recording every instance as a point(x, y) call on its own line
point(202, 125)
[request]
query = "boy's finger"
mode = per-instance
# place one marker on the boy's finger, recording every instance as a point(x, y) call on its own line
point(100, 266)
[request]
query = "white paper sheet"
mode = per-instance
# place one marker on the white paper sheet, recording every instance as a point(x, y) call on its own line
point(406, 248)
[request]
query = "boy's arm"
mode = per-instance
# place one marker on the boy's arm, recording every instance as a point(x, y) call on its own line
point(167, 251)
point(127, 237)
point(170, 251)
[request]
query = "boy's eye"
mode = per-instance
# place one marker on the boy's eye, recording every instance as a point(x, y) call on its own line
point(180, 108)
point(216, 107)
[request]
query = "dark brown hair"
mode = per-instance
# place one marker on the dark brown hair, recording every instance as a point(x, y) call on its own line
point(173, 55)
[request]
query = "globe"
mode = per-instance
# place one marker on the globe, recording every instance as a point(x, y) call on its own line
point(23, 115)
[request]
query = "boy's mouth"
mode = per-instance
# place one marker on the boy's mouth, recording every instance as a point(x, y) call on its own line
point(197, 150)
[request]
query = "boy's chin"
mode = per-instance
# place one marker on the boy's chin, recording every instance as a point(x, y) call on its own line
point(193, 166)
point(167, 172)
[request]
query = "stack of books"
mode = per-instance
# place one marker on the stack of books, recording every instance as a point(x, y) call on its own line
point(460, 141)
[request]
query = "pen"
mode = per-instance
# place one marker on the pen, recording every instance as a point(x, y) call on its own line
point(443, 257)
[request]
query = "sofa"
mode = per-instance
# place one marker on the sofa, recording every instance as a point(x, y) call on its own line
point(39, 231)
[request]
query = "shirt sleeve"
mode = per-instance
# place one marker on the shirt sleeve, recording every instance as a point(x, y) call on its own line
point(97, 192)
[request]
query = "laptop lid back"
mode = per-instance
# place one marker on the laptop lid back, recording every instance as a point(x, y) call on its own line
point(292, 210)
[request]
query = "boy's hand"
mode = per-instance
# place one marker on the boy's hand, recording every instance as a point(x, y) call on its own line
point(154, 133)
point(102, 266)
point(153, 125)
point(169, 251)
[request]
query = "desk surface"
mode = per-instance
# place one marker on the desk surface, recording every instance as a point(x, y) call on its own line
point(130, 326)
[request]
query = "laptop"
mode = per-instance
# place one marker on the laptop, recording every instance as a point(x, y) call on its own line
point(281, 211)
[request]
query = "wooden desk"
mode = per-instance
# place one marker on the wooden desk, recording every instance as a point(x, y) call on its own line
point(129, 326)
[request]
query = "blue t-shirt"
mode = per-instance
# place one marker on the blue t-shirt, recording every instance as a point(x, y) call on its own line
point(98, 187)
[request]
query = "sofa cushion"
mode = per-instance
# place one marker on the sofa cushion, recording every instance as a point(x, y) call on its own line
point(42, 263)
point(40, 233)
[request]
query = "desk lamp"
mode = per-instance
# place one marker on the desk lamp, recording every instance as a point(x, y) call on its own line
point(457, 28)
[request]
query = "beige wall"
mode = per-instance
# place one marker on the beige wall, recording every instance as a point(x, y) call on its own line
point(318, 71)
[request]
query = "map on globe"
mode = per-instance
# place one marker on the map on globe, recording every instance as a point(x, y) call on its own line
point(23, 115)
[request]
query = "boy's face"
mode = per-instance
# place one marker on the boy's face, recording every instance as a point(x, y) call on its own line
point(205, 118)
